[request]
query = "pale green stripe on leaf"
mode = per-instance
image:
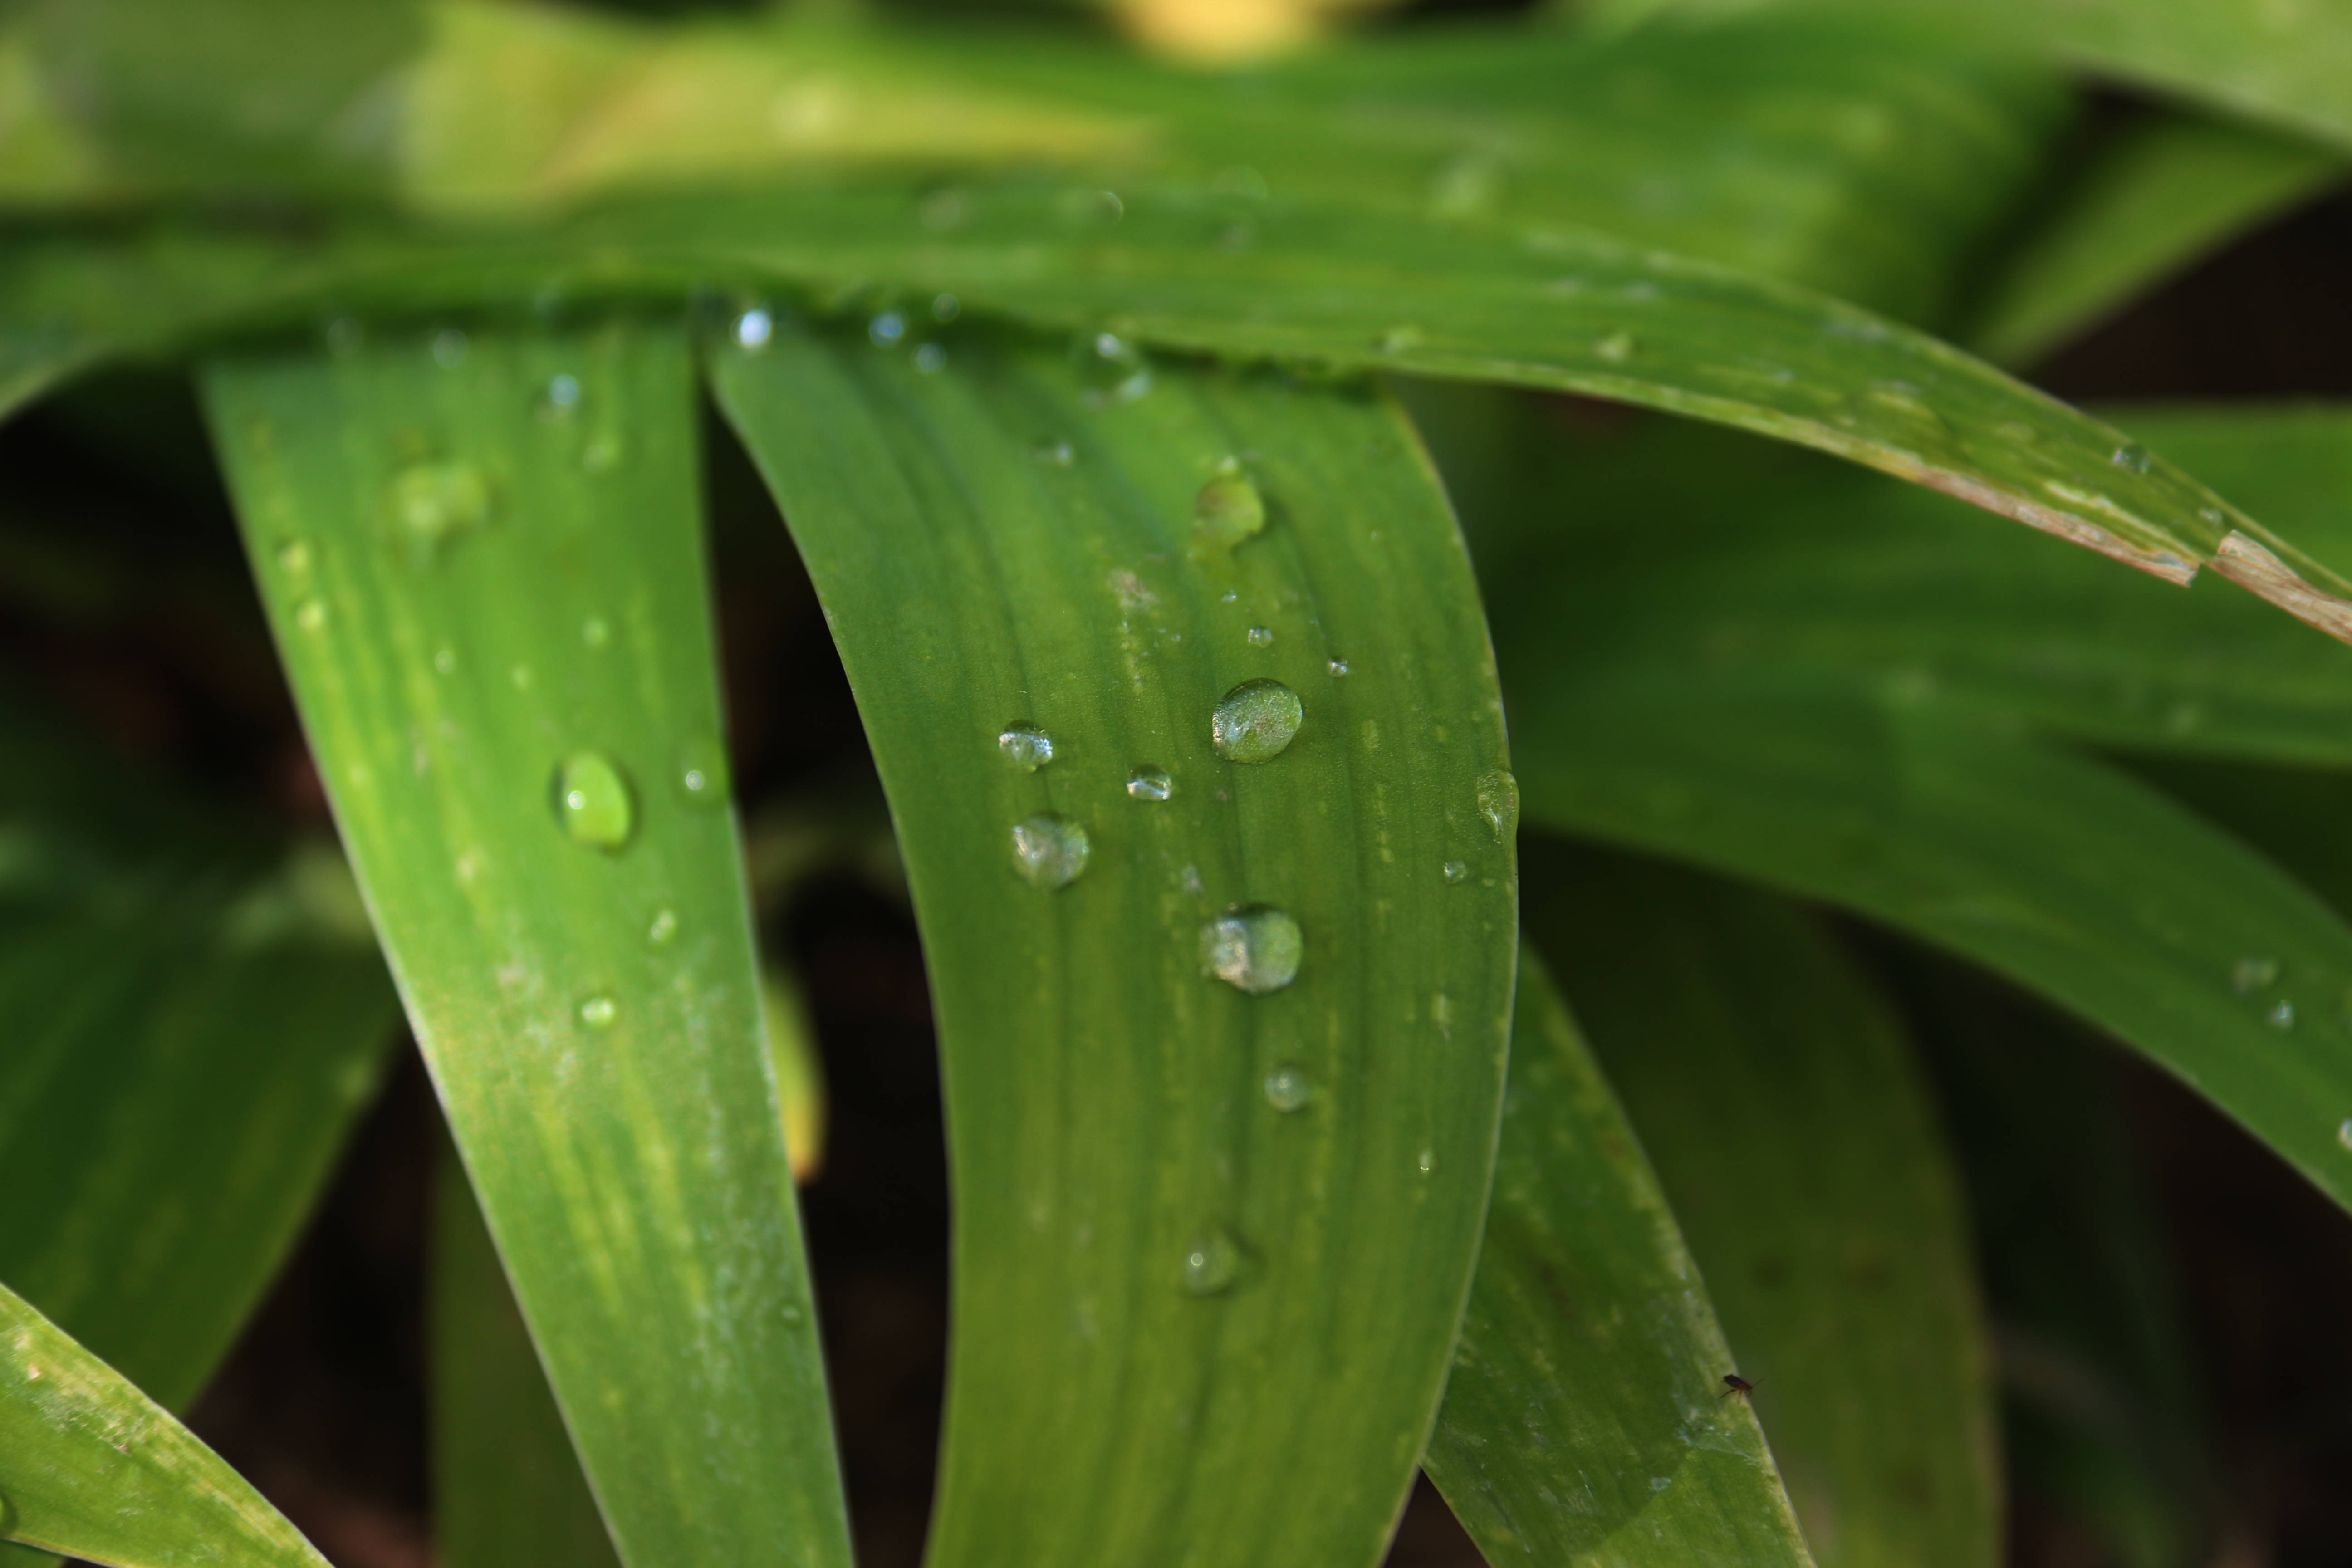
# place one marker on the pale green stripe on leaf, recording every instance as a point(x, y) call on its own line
point(1790, 1127)
point(482, 557)
point(1223, 1039)
point(91, 1468)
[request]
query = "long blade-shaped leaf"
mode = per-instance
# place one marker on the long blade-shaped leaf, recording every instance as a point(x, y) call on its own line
point(483, 565)
point(1790, 1128)
point(90, 1467)
point(1215, 1225)
point(2059, 872)
point(1587, 1424)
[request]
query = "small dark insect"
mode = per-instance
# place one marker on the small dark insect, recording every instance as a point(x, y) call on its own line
point(1733, 1383)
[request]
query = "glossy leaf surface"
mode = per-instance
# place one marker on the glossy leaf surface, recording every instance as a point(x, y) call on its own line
point(1219, 1176)
point(482, 561)
point(1587, 1422)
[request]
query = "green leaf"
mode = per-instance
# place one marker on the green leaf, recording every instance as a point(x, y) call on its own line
point(1212, 1239)
point(506, 1485)
point(482, 561)
point(2061, 873)
point(1587, 1421)
point(1779, 1103)
point(91, 1467)
point(2150, 201)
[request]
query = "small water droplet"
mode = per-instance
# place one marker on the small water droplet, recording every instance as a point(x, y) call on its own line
point(2212, 514)
point(1255, 948)
point(345, 336)
point(2131, 456)
point(703, 774)
point(1060, 454)
point(663, 929)
point(1149, 784)
point(1337, 667)
point(1255, 721)
point(562, 396)
point(2281, 1017)
point(445, 660)
point(593, 801)
point(930, 359)
point(2343, 1132)
point(1400, 340)
point(1113, 369)
point(1260, 637)
point(885, 330)
point(603, 453)
point(294, 558)
point(1427, 1162)
point(433, 504)
point(595, 631)
point(1025, 746)
point(946, 307)
point(310, 614)
point(1616, 347)
point(1498, 802)
point(1457, 871)
point(1288, 1088)
point(599, 1011)
point(754, 329)
point(2250, 974)
point(1049, 851)
point(1213, 1263)
point(449, 348)
point(1228, 510)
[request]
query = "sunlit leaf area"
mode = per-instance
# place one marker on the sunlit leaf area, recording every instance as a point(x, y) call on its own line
point(1175, 784)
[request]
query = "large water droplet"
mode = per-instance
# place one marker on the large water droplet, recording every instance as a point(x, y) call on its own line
point(599, 1011)
point(2131, 456)
point(593, 800)
point(1255, 721)
point(1025, 746)
point(433, 503)
point(703, 775)
point(1255, 948)
point(1498, 802)
point(1229, 511)
point(1049, 851)
point(1149, 784)
point(1288, 1088)
point(1212, 1262)
point(2251, 975)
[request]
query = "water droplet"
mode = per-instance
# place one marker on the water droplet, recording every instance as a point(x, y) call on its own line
point(1456, 871)
point(294, 558)
point(310, 614)
point(1060, 454)
point(599, 1011)
point(432, 503)
point(946, 307)
point(2212, 514)
point(1049, 851)
point(1616, 347)
point(2131, 456)
point(2281, 1017)
point(754, 329)
point(2250, 974)
point(1252, 947)
point(1260, 637)
point(1288, 1088)
point(1400, 340)
point(885, 330)
point(1149, 784)
point(562, 396)
point(345, 336)
point(593, 800)
point(1255, 721)
point(595, 631)
point(703, 773)
point(1428, 1162)
point(1113, 369)
point(2344, 1134)
point(1498, 802)
point(449, 348)
point(930, 359)
point(1213, 1263)
point(663, 929)
point(603, 453)
point(1025, 746)
point(445, 660)
point(1337, 667)
point(1228, 510)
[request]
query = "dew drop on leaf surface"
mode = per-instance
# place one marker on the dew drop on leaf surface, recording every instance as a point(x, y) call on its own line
point(1456, 871)
point(1049, 851)
point(1025, 746)
point(1229, 511)
point(599, 1011)
point(593, 801)
point(2132, 457)
point(1498, 803)
point(1260, 637)
point(432, 503)
point(310, 614)
point(1255, 721)
point(703, 775)
point(2252, 973)
point(1288, 1088)
point(1255, 948)
point(1213, 1263)
point(1149, 784)
point(662, 929)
